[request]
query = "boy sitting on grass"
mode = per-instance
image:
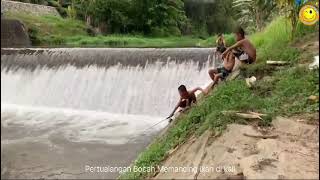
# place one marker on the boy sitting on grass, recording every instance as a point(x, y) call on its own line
point(243, 49)
point(187, 98)
point(222, 72)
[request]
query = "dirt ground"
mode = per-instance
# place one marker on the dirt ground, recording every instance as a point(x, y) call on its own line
point(289, 149)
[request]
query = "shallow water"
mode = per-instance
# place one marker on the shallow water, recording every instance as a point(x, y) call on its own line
point(57, 119)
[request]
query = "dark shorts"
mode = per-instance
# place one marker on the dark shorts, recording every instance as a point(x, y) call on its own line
point(224, 72)
point(243, 56)
point(248, 61)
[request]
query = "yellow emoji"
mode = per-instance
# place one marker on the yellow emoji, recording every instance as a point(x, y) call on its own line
point(309, 15)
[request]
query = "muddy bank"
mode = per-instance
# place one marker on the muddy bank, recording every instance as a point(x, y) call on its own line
point(290, 150)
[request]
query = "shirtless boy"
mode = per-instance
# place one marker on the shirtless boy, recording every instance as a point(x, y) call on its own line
point(187, 98)
point(222, 72)
point(243, 49)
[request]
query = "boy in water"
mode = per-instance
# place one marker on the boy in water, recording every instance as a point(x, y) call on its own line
point(187, 98)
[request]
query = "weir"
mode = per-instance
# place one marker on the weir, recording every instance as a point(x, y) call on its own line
point(65, 109)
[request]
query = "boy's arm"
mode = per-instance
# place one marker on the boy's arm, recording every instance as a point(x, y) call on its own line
point(174, 110)
point(237, 44)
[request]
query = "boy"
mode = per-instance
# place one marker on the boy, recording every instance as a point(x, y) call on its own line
point(186, 98)
point(222, 72)
point(221, 45)
point(243, 49)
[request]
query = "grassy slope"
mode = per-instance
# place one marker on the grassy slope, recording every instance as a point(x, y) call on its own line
point(285, 93)
point(57, 31)
point(49, 30)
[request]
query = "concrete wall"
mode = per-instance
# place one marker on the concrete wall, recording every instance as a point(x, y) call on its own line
point(35, 9)
point(14, 34)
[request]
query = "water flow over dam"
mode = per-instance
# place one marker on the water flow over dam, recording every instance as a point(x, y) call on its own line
point(63, 109)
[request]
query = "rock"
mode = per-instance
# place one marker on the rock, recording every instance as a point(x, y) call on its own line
point(315, 64)
point(251, 81)
point(313, 98)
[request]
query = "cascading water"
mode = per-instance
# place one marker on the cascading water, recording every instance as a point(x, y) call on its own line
point(63, 109)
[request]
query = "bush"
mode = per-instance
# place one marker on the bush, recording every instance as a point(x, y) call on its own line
point(53, 3)
point(158, 32)
point(173, 31)
point(33, 35)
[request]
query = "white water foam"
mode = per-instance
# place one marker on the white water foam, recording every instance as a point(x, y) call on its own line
point(149, 90)
point(77, 126)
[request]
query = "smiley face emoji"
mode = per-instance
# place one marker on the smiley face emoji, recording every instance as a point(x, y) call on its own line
point(309, 15)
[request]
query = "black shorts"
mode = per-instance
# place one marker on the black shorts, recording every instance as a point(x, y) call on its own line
point(243, 56)
point(224, 72)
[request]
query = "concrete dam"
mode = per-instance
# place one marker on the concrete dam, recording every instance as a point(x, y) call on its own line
point(14, 34)
point(65, 109)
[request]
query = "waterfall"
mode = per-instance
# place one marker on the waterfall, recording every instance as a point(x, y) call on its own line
point(106, 97)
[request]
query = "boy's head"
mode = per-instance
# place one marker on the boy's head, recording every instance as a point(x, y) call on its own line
point(239, 33)
point(183, 91)
point(220, 35)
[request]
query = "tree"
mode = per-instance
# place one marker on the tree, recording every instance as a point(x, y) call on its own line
point(254, 13)
point(157, 15)
point(85, 10)
point(71, 11)
point(291, 10)
point(210, 16)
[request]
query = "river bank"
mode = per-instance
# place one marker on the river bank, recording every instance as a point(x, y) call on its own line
point(280, 91)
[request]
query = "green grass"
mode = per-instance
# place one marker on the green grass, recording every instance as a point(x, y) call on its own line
point(49, 30)
point(284, 92)
point(132, 41)
point(271, 42)
point(52, 31)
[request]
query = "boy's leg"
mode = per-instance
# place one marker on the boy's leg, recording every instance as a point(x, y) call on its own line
point(216, 79)
point(212, 73)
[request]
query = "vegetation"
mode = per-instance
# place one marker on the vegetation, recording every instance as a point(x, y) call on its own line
point(152, 23)
point(279, 91)
point(254, 13)
point(50, 30)
point(56, 31)
point(199, 18)
point(188, 23)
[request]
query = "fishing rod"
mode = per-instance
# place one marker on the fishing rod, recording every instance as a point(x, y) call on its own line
point(142, 132)
point(157, 123)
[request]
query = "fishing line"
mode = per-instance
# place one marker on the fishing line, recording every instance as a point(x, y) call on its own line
point(143, 132)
